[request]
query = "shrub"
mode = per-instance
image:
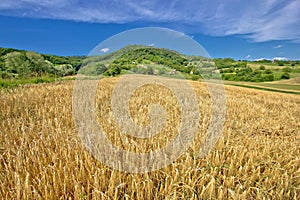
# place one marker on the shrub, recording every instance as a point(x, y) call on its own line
point(285, 76)
point(287, 69)
point(262, 67)
point(4, 84)
point(195, 77)
point(269, 77)
point(268, 71)
point(248, 69)
point(162, 71)
point(280, 63)
point(40, 80)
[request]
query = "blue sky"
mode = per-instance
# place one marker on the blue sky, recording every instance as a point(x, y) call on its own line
point(225, 28)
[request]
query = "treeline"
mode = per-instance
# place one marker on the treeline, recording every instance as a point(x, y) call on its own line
point(279, 62)
point(241, 71)
point(247, 74)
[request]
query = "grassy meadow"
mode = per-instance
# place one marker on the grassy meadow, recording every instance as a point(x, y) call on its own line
point(42, 157)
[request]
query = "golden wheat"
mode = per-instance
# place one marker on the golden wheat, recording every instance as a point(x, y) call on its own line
point(42, 157)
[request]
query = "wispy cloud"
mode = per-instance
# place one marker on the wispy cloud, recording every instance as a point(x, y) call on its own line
point(278, 46)
point(104, 50)
point(248, 56)
point(259, 59)
point(280, 58)
point(259, 20)
point(274, 58)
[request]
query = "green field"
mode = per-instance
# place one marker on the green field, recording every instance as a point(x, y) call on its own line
point(281, 86)
point(291, 86)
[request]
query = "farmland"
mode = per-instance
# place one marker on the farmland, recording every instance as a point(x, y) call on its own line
point(42, 156)
point(291, 86)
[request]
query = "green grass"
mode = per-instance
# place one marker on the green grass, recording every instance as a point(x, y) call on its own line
point(11, 83)
point(281, 86)
point(266, 89)
point(277, 75)
point(269, 65)
point(295, 75)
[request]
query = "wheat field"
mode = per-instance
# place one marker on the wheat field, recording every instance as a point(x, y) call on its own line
point(42, 156)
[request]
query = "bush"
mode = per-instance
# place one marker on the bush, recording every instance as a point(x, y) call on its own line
point(248, 69)
point(268, 71)
point(194, 77)
point(40, 80)
point(287, 69)
point(4, 84)
point(285, 76)
point(269, 77)
point(162, 71)
point(6, 75)
point(262, 67)
point(256, 77)
point(280, 63)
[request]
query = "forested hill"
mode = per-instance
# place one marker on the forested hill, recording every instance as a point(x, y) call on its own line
point(21, 64)
point(147, 60)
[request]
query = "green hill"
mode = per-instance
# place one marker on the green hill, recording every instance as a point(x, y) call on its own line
point(148, 60)
point(20, 64)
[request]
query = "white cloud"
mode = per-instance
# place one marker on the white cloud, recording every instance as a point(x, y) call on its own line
point(31, 5)
point(259, 20)
point(104, 50)
point(46, 3)
point(248, 56)
point(274, 58)
point(278, 46)
point(280, 58)
point(259, 59)
point(6, 5)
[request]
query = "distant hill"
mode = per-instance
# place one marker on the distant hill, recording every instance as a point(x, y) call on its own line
point(257, 71)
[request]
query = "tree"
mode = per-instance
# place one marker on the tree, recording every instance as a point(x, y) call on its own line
point(100, 68)
point(17, 64)
point(115, 70)
point(37, 63)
